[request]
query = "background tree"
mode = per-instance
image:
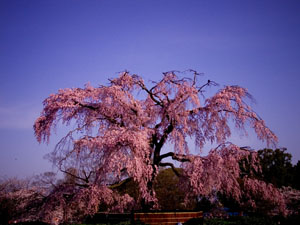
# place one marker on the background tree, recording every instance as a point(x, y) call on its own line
point(121, 128)
point(296, 178)
point(276, 167)
point(20, 200)
point(45, 182)
point(167, 188)
point(7, 204)
point(169, 195)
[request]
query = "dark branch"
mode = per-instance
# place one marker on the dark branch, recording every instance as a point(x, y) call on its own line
point(177, 157)
point(118, 184)
point(167, 131)
point(85, 106)
point(172, 167)
point(209, 83)
point(151, 94)
point(76, 177)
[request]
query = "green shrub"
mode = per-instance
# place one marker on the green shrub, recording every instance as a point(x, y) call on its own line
point(240, 221)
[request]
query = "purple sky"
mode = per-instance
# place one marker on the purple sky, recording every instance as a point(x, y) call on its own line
point(46, 45)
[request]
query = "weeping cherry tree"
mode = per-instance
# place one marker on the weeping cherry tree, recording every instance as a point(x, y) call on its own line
point(119, 130)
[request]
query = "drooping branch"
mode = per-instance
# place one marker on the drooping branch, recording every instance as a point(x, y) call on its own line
point(229, 102)
point(103, 116)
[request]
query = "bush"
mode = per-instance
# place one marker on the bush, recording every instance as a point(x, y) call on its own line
point(240, 221)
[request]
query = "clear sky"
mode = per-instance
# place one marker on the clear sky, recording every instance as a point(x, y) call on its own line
point(46, 45)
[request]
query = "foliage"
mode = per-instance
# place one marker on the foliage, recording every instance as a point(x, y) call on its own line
point(257, 220)
point(121, 128)
point(296, 178)
point(168, 192)
point(276, 167)
point(19, 200)
point(169, 195)
point(240, 221)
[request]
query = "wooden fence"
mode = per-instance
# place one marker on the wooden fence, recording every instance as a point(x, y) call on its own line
point(149, 218)
point(169, 218)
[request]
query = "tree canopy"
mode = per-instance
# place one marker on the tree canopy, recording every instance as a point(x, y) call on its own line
point(276, 167)
point(121, 128)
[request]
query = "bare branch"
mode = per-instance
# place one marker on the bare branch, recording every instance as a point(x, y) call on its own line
point(118, 184)
point(75, 176)
point(209, 83)
point(151, 94)
point(177, 157)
